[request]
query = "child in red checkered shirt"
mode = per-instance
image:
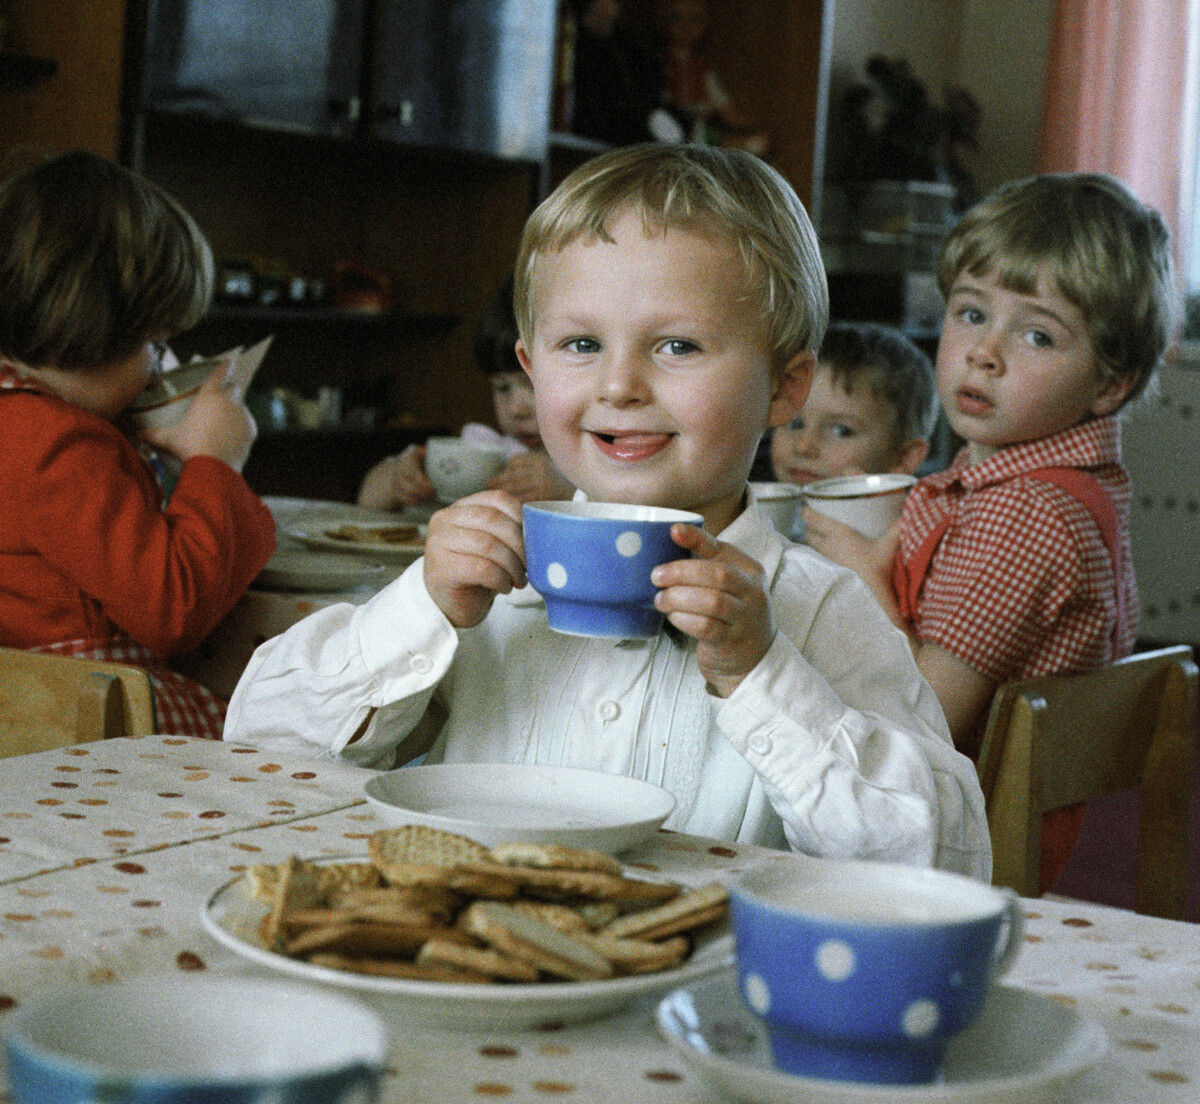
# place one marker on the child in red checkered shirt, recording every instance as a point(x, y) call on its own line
point(1015, 561)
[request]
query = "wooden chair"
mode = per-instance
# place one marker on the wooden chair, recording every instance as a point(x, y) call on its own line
point(1064, 739)
point(51, 701)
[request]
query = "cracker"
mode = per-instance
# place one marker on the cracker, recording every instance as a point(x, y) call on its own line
point(395, 968)
point(640, 956)
point(438, 901)
point(407, 844)
point(526, 938)
point(566, 885)
point(483, 960)
point(688, 910)
point(374, 534)
point(555, 856)
point(299, 886)
point(372, 938)
point(332, 878)
point(560, 917)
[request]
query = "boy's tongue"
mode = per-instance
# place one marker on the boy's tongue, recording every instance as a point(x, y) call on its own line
point(632, 446)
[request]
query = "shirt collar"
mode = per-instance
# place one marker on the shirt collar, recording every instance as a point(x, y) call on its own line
point(1089, 444)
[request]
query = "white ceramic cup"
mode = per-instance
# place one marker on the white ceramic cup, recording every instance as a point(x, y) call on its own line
point(868, 503)
point(456, 467)
point(780, 502)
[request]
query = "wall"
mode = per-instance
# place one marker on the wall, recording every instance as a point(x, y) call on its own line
point(994, 48)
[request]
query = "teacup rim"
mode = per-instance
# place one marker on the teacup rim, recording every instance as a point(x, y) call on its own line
point(766, 490)
point(839, 487)
point(488, 447)
point(590, 510)
point(986, 900)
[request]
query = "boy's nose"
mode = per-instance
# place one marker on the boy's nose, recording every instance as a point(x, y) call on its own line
point(985, 353)
point(622, 381)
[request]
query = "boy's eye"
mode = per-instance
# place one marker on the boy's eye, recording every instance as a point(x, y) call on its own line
point(678, 346)
point(1040, 339)
point(582, 345)
point(841, 431)
point(970, 314)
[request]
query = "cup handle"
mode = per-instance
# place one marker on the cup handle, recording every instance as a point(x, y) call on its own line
point(1013, 934)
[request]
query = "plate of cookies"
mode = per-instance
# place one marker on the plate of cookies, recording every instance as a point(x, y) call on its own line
point(439, 925)
point(392, 540)
point(525, 802)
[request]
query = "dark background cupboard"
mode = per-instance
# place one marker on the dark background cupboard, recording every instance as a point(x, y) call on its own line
point(336, 153)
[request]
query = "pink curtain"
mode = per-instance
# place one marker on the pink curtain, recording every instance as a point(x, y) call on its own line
point(1120, 86)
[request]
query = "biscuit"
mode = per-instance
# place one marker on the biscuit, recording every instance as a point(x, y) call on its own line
point(390, 848)
point(555, 856)
point(483, 960)
point(369, 938)
point(374, 534)
point(523, 937)
point(688, 910)
point(640, 956)
point(298, 886)
point(263, 878)
point(559, 885)
point(437, 901)
point(395, 968)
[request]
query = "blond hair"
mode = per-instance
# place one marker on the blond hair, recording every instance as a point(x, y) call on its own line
point(95, 261)
point(1107, 252)
point(721, 192)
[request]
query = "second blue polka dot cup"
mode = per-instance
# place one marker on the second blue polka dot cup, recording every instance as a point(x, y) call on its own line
point(863, 971)
point(591, 562)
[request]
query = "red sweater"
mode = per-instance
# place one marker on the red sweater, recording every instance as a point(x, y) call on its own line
point(86, 547)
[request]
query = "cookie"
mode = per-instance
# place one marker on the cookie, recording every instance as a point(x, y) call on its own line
point(395, 968)
point(689, 910)
point(483, 960)
point(554, 856)
point(420, 844)
point(523, 937)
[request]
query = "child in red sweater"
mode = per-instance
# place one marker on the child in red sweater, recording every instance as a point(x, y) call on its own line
point(98, 267)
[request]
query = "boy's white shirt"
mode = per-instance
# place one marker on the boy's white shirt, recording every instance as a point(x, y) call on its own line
point(833, 745)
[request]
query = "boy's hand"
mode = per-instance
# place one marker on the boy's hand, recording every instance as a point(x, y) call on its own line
point(871, 560)
point(397, 482)
point(531, 477)
point(719, 597)
point(474, 550)
point(217, 424)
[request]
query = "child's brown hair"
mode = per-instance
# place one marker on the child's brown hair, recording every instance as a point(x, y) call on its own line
point(95, 261)
point(1107, 252)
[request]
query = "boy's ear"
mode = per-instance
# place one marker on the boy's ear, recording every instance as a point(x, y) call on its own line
point(522, 355)
point(791, 389)
point(1111, 395)
point(910, 455)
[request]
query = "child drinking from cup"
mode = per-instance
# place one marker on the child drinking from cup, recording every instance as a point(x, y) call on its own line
point(98, 267)
point(870, 409)
point(529, 473)
point(1015, 561)
point(669, 301)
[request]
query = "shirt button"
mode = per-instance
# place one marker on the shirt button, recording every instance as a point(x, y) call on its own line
point(760, 745)
point(421, 665)
point(609, 711)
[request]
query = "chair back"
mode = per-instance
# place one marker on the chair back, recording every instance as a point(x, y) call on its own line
point(1065, 739)
point(49, 701)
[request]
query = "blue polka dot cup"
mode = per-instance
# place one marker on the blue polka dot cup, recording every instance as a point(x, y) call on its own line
point(863, 971)
point(591, 562)
point(199, 1040)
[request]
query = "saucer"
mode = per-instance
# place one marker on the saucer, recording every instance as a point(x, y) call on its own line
point(1022, 1047)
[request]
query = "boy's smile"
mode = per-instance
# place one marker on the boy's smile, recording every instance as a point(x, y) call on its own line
point(653, 369)
point(1013, 367)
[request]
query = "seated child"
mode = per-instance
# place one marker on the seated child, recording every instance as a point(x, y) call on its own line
point(530, 474)
point(98, 267)
point(871, 408)
point(1015, 561)
point(669, 300)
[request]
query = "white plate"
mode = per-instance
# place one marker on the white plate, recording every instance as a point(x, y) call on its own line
point(314, 535)
point(1022, 1048)
point(232, 916)
point(498, 802)
point(300, 569)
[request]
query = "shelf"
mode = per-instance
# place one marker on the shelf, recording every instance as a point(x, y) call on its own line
point(331, 318)
point(20, 70)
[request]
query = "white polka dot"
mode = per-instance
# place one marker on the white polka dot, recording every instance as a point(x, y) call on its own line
point(835, 960)
point(556, 576)
point(629, 543)
point(758, 996)
point(920, 1018)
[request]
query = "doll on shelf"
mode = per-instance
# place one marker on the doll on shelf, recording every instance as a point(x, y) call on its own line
point(695, 97)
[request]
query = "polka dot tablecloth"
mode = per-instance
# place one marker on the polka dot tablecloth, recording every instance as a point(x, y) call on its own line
point(109, 850)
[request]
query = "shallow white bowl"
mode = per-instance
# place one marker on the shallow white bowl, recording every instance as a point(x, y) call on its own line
point(501, 802)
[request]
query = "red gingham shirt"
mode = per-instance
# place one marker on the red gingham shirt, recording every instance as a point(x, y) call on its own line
point(1022, 583)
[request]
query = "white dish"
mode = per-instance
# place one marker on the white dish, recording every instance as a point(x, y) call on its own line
point(232, 916)
point(300, 569)
point(498, 802)
point(1023, 1047)
point(314, 534)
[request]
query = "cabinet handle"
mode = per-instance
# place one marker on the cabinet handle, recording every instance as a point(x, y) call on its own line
point(403, 114)
point(349, 109)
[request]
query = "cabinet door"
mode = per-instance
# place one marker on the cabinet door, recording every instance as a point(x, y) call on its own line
point(284, 63)
point(470, 75)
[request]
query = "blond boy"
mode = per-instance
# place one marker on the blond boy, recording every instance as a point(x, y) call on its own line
point(668, 299)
